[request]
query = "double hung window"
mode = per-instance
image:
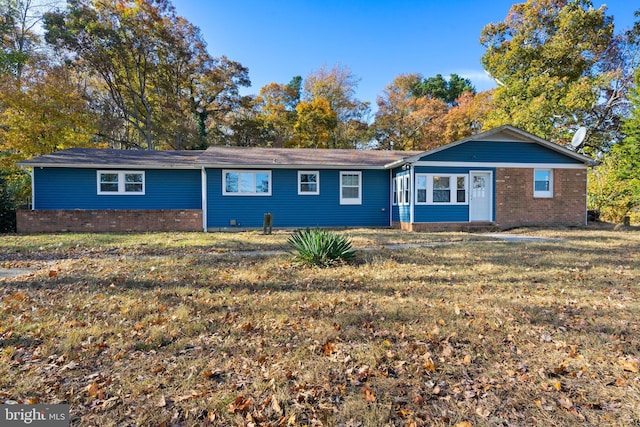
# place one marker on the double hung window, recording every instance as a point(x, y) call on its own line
point(121, 182)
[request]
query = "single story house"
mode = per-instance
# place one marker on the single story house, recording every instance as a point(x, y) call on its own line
point(501, 178)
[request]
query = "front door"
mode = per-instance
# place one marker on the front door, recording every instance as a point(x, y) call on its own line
point(480, 196)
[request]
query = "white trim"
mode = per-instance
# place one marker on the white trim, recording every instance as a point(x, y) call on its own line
point(121, 183)
point(402, 183)
point(351, 201)
point(492, 196)
point(245, 171)
point(394, 189)
point(33, 189)
point(309, 193)
point(453, 189)
point(408, 190)
point(505, 165)
point(203, 185)
point(392, 179)
point(104, 165)
point(311, 166)
point(543, 194)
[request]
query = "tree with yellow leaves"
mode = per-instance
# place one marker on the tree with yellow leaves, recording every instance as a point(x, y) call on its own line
point(315, 125)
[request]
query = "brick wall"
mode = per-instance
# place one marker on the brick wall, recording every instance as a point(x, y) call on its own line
point(51, 221)
point(516, 206)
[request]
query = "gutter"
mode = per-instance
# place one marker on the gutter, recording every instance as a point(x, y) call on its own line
point(104, 166)
point(203, 185)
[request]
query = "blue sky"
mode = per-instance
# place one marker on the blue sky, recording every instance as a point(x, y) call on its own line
point(376, 39)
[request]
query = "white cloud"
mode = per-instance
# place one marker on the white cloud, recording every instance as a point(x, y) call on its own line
point(480, 79)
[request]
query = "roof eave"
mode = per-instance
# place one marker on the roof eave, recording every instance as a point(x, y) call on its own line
point(106, 166)
point(558, 148)
point(287, 166)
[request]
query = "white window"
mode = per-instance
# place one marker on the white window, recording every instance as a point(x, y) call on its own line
point(401, 190)
point(308, 182)
point(121, 182)
point(407, 192)
point(543, 183)
point(440, 189)
point(246, 183)
point(421, 188)
point(350, 188)
point(395, 190)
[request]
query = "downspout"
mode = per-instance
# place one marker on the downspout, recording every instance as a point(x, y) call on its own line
point(390, 197)
point(411, 189)
point(203, 185)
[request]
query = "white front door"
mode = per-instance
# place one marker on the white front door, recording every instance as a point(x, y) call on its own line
point(480, 196)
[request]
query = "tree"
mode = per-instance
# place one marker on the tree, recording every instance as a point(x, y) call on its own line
point(315, 125)
point(48, 115)
point(246, 126)
point(404, 122)
point(468, 115)
point(154, 70)
point(439, 88)
point(7, 206)
point(18, 41)
point(558, 66)
point(338, 86)
point(277, 104)
point(614, 187)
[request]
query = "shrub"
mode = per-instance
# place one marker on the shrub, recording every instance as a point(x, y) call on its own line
point(7, 208)
point(320, 247)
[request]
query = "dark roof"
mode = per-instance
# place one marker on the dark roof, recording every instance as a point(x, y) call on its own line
point(97, 157)
point(218, 156)
point(300, 157)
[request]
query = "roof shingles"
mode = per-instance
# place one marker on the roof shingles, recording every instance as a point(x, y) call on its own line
point(218, 157)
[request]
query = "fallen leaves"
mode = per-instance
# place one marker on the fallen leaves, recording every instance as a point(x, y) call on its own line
point(196, 337)
point(369, 394)
point(240, 404)
point(629, 365)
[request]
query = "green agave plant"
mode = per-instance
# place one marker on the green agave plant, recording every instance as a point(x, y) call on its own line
point(320, 247)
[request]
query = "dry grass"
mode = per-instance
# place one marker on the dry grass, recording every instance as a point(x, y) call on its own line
point(182, 329)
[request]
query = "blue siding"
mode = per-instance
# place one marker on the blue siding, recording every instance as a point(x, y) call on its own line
point(292, 210)
point(434, 213)
point(62, 188)
point(447, 213)
point(499, 152)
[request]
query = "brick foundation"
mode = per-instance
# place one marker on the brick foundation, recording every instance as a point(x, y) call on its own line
point(445, 226)
point(516, 206)
point(52, 221)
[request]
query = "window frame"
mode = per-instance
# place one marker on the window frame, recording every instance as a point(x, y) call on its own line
point(407, 189)
point(351, 200)
point(543, 194)
point(254, 172)
point(394, 183)
point(121, 182)
point(453, 192)
point(309, 193)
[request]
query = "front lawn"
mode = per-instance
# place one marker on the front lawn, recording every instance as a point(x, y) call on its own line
point(195, 328)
